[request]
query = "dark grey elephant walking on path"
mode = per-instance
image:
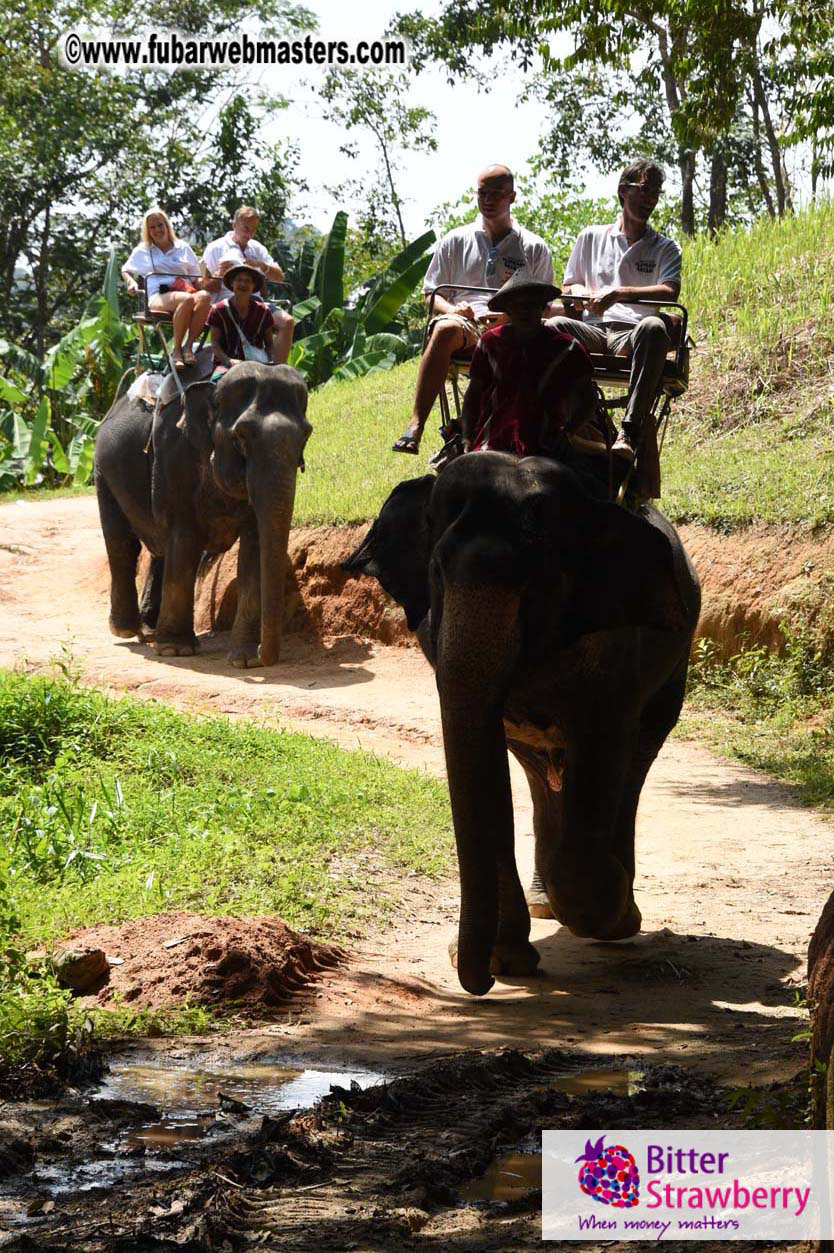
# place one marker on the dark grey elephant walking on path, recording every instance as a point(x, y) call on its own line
point(228, 471)
point(559, 627)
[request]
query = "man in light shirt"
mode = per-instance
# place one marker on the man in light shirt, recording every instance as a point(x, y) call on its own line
point(238, 246)
point(484, 253)
point(615, 264)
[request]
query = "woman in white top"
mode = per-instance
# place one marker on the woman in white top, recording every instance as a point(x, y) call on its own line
point(172, 280)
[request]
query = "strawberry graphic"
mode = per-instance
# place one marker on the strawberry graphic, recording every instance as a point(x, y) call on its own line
point(609, 1175)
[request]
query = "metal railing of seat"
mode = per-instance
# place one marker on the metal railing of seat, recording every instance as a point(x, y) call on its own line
point(609, 370)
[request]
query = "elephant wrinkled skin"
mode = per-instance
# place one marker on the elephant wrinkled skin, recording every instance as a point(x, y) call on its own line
point(559, 627)
point(228, 471)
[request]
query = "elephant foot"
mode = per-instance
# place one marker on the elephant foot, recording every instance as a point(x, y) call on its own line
point(245, 656)
point(536, 898)
point(506, 958)
point(185, 647)
point(124, 631)
point(626, 928)
point(514, 959)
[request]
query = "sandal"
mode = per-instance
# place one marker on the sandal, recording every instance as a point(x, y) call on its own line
point(407, 443)
point(179, 362)
point(188, 357)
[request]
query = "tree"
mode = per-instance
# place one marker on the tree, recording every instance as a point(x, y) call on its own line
point(84, 153)
point(375, 101)
point(694, 73)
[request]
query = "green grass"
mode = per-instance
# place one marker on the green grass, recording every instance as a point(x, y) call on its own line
point(774, 713)
point(117, 809)
point(112, 810)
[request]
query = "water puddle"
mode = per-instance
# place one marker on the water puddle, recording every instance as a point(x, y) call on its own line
point(517, 1174)
point(507, 1179)
point(194, 1104)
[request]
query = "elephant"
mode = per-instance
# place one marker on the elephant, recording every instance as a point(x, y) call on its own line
point(224, 469)
point(559, 627)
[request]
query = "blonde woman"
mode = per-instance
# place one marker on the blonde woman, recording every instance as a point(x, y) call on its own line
point(171, 272)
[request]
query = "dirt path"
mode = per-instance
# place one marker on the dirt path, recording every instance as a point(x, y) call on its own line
point(731, 873)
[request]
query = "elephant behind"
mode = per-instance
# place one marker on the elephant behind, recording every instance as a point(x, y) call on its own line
point(559, 627)
point(227, 471)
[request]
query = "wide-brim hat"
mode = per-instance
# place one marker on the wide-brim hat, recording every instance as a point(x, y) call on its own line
point(521, 284)
point(260, 282)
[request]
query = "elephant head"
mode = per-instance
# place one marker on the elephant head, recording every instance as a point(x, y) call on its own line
point(530, 583)
point(251, 429)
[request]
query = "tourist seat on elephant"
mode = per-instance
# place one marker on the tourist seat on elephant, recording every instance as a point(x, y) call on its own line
point(156, 319)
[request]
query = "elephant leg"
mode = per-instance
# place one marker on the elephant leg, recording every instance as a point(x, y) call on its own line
point(175, 629)
point(246, 631)
point(151, 598)
point(656, 721)
point(122, 554)
point(512, 952)
point(588, 886)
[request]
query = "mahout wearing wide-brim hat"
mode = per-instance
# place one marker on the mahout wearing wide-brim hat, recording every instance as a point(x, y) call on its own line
point(522, 284)
point(229, 276)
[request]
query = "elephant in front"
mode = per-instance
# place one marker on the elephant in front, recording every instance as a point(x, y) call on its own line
point(559, 626)
point(223, 470)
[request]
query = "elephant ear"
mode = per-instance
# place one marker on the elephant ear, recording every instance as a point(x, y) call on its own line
point(628, 576)
point(395, 551)
point(200, 413)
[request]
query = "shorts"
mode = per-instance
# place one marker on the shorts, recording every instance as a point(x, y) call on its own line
point(472, 331)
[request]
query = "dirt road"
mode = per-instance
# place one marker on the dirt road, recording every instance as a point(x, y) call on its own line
point(732, 874)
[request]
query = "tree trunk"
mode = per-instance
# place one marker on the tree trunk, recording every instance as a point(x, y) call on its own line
point(686, 161)
point(757, 160)
point(772, 140)
point(717, 191)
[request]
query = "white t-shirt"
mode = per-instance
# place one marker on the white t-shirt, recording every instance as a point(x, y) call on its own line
point(461, 258)
point(155, 264)
point(603, 257)
point(227, 248)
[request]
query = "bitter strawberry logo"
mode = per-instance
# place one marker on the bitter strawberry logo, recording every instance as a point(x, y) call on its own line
point(609, 1175)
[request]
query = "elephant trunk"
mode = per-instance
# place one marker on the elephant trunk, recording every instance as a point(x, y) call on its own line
point(476, 649)
point(271, 484)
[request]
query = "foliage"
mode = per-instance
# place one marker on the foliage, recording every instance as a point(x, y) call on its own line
point(671, 80)
point(85, 153)
point(111, 810)
point(50, 408)
point(341, 339)
point(375, 100)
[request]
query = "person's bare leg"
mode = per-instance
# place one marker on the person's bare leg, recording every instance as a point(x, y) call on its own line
point(182, 320)
point(447, 338)
point(202, 304)
point(284, 325)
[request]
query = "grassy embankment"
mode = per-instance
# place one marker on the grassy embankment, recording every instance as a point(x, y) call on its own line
point(112, 810)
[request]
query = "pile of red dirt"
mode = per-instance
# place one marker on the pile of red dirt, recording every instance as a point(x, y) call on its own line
point(254, 963)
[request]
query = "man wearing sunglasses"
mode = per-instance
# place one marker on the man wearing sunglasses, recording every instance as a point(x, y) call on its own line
point(484, 253)
point(614, 265)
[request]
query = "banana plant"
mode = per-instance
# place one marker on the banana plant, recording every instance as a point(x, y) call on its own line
point(349, 340)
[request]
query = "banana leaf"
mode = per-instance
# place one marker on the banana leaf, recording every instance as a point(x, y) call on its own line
point(369, 364)
point(387, 305)
point(386, 343)
point(328, 279)
point(59, 457)
point(21, 437)
point(10, 393)
point(64, 358)
point(305, 307)
point(37, 443)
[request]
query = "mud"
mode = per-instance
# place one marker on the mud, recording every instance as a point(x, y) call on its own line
point(438, 1159)
point(178, 957)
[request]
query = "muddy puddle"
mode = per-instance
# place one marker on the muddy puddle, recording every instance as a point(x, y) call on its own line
point(515, 1175)
point(146, 1119)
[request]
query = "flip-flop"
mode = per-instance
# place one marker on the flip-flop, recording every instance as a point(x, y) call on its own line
point(179, 363)
point(407, 443)
point(189, 358)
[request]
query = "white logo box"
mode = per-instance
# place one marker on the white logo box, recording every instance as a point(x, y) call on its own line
point(693, 1185)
